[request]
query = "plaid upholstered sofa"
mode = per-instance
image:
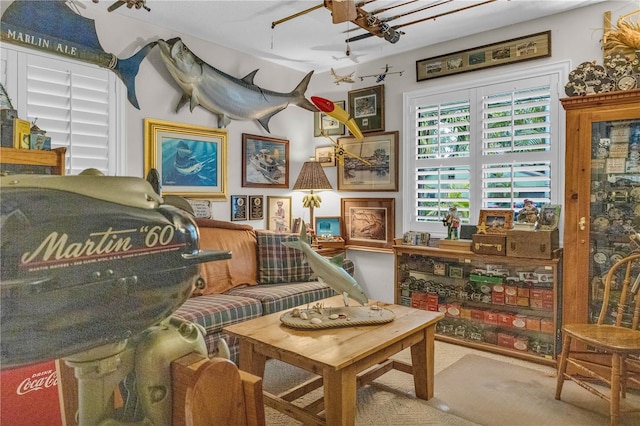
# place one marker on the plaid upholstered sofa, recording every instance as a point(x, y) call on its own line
point(262, 277)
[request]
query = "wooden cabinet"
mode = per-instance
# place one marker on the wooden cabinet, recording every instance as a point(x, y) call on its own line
point(32, 161)
point(602, 194)
point(501, 304)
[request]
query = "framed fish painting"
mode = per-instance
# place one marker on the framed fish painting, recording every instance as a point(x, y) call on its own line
point(191, 160)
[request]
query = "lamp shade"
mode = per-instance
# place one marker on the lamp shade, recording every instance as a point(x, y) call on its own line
point(312, 177)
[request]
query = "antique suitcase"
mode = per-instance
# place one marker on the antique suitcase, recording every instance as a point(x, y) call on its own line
point(460, 245)
point(532, 244)
point(494, 244)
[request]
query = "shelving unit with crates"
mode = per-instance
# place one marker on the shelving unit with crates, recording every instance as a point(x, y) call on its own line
point(500, 304)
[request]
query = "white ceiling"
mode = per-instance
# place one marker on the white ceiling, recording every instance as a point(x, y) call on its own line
point(312, 42)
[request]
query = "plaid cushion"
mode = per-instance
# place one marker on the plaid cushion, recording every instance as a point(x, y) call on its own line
point(278, 263)
point(216, 311)
point(276, 298)
point(211, 340)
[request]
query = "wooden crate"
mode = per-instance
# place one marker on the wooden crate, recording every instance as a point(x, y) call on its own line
point(532, 244)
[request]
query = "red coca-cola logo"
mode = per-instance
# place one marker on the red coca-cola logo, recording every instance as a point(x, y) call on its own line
point(38, 381)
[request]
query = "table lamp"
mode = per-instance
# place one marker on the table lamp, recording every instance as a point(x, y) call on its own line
point(311, 178)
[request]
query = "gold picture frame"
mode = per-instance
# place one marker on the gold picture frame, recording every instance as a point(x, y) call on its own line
point(326, 155)
point(519, 49)
point(191, 160)
point(279, 214)
point(496, 221)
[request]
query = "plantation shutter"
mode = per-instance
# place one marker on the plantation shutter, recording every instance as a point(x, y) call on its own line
point(490, 146)
point(75, 103)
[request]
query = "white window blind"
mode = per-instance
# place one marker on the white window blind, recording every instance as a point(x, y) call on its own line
point(75, 103)
point(489, 146)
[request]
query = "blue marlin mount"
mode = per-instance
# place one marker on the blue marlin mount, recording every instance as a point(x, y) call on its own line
point(51, 26)
point(228, 97)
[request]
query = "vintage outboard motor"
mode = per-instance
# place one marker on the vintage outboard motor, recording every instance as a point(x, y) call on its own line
point(89, 265)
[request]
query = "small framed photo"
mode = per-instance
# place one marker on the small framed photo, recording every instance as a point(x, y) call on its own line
point(366, 106)
point(440, 268)
point(496, 221)
point(256, 207)
point(326, 156)
point(265, 162)
point(327, 124)
point(455, 271)
point(549, 217)
point(368, 222)
point(239, 207)
point(279, 214)
point(328, 226)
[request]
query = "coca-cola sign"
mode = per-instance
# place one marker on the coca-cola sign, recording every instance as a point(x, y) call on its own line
point(38, 381)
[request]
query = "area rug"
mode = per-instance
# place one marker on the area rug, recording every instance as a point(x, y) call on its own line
point(475, 390)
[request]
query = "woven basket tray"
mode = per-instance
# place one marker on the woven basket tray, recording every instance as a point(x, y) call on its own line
point(348, 317)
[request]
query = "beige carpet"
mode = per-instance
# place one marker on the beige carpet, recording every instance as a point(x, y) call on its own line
point(474, 389)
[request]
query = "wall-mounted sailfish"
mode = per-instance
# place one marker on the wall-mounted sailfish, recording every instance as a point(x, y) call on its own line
point(228, 97)
point(51, 26)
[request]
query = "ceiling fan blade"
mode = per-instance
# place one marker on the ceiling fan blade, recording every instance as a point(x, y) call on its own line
point(343, 10)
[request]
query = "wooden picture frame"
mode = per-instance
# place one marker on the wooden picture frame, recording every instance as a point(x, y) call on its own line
point(496, 221)
point(326, 155)
point(366, 106)
point(519, 49)
point(549, 217)
point(239, 207)
point(265, 162)
point(326, 226)
point(368, 222)
point(330, 126)
point(256, 207)
point(279, 214)
point(191, 160)
point(380, 150)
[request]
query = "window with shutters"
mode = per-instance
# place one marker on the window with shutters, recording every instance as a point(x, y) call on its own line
point(76, 103)
point(488, 146)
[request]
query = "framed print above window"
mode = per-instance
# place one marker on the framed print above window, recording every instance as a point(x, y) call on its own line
point(366, 106)
point(191, 160)
point(369, 165)
point(279, 214)
point(265, 162)
point(368, 222)
point(327, 124)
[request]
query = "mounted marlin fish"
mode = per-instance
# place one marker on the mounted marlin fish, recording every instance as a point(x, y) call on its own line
point(330, 271)
point(228, 97)
point(51, 26)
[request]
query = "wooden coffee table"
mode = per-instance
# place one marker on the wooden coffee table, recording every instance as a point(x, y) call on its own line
point(337, 355)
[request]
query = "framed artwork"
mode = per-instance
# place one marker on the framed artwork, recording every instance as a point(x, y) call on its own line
point(496, 221)
point(239, 207)
point(328, 226)
point(326, 156)
point(366, 106)
point(369, 165)
point(279, 214)
point(191, 160)
point(519, 49)
point(549, 217)
point(368, 222)
point(330, 126)
point(265, 162)
point(256, 207)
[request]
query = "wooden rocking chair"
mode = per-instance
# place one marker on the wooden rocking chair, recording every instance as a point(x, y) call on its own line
point(614, 340)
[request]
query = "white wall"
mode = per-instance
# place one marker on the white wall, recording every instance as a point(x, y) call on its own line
point(575, 36)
